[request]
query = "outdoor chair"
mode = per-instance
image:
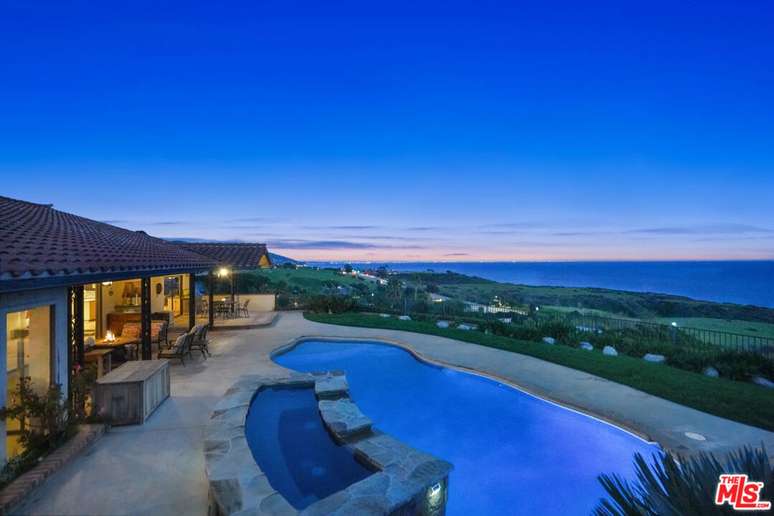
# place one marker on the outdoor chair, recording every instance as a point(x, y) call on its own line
point(179, 349)
point(159, 333)
point(243, 309)
point(199, 341)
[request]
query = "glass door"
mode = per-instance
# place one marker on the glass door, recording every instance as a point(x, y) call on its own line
point(29, 352)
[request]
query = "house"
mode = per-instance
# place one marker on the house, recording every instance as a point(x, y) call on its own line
point(67, 280)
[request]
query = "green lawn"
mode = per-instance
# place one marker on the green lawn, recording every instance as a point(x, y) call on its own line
point(739, 401)
point(754, 329)
point(309, 279)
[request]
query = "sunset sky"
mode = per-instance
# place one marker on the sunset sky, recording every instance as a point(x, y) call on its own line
point(391, 131)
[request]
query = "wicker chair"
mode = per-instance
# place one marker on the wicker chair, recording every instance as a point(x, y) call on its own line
point(243, 309)
point(179, 349)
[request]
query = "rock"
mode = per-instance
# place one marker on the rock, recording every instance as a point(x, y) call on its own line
point(384, 315)
point(763, 382)
point(331, 386)
point(711, 372)
point(343, 418)
point(549, 340)
point(609, 351)
point(656, 359)
point(466, 326)
point(442, 324)
point(587, 346)
point(404, 318)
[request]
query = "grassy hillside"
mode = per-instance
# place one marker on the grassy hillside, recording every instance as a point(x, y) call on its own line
point(738, 401)
point(313, 281)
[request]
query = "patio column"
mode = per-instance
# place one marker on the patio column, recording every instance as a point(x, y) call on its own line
point(233, 274)
point(145, 318)
point(75, 326)
point(191, 300)
point(211, 299)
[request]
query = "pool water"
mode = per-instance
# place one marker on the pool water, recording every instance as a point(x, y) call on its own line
point(290, 444)
point(512, 453)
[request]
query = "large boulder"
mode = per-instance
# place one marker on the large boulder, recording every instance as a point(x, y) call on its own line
point(404, 318)
point(711, 372)
point(656, 359)
point(442, 324)
point(763, 382)
point(384, 315)
point(467, 326)
point(587, 346)
point(609, 351)
point(549, 340)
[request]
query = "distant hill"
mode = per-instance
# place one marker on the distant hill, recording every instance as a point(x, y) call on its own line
point(278, 259)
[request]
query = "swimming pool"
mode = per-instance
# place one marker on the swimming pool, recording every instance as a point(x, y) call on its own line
point(291, 446)
point(512, 453)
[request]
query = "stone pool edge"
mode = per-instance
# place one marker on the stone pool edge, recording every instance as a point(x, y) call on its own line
point(543, 396)
point(404, 477)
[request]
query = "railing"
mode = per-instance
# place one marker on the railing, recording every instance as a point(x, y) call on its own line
point(709, 340)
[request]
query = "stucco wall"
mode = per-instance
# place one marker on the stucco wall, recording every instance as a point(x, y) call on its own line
point(258, 302)
point(57, 298)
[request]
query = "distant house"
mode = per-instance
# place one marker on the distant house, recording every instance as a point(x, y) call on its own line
point(65, 279)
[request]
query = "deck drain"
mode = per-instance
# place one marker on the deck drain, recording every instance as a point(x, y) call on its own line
point(695, 436)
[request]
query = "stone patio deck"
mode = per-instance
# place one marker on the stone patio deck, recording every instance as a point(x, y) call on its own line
point(158, 468)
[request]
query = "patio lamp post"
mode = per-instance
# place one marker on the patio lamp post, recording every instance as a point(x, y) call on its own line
point(224, 272)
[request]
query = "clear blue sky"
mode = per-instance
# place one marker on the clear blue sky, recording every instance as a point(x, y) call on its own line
point(383, 130)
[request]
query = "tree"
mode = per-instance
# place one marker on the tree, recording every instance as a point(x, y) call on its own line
point(394, 291)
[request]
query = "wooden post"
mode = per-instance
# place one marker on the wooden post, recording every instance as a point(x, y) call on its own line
point(145, 318)
point(211, 299)
point(191, 300)
point(232, 293)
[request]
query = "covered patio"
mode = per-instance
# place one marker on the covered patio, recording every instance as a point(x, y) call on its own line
point(232, 309)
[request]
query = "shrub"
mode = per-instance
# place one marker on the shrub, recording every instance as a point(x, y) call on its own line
point(742, 365)
point(683, 486)
point(43, 425)
point(331, 304)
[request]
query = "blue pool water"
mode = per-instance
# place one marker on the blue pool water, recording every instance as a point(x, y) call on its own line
point(288, 441)
point(512, 453)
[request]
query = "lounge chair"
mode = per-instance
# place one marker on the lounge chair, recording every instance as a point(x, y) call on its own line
point(199, 341)
point(179, 349)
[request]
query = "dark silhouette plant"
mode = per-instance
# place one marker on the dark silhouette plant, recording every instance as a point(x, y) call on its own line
point(670, 487)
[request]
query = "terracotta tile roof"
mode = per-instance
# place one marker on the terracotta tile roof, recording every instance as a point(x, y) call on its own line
point(237, 255)
point(37, 241)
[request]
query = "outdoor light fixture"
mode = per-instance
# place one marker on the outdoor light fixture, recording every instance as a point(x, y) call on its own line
point(435, 498)
point(222, 272)
point(674, 324)
point(107, 283)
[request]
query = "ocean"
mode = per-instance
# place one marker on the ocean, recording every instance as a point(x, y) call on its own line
point(742, 282)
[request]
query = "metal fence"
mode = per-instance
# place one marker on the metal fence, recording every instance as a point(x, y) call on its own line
point(708, 340)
